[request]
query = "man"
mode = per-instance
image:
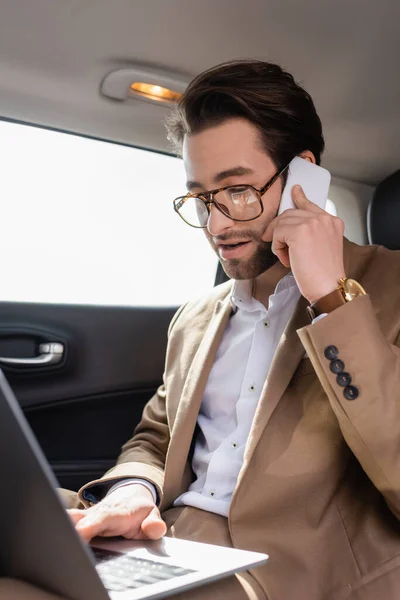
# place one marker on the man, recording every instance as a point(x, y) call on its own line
point(273, 431)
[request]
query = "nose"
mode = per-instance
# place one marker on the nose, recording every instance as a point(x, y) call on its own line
point(218, 222)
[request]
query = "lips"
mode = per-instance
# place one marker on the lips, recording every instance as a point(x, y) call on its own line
point(231, 243)
point(233, 249)
point(229, 246)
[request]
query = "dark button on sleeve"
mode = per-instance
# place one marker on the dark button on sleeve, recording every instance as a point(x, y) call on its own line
point(337, 366)
point(344, 379)
point(331, 352)
point(350, 392)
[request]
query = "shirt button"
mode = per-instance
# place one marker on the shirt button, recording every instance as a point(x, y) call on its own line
point(212, 493)
point(266, 324)
point(252, 388)
point(234, 445)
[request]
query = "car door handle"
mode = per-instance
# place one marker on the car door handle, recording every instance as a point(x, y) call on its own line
point(50, 353)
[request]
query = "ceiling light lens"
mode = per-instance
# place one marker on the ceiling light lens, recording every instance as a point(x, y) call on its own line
point(155, 92)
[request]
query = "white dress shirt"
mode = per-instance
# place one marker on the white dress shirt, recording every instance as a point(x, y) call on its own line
point(232, 393)
point(233, 390)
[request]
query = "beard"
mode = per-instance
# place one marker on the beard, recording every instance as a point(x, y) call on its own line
point(262, 260)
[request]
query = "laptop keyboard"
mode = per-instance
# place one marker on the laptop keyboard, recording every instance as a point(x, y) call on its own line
point(120, 572)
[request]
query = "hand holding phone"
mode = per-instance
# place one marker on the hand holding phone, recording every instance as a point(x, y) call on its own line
point(314, 180)
point(310, 243)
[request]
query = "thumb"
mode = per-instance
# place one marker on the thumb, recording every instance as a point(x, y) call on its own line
point(299, 196)
point(153, 527)
point(301, 200)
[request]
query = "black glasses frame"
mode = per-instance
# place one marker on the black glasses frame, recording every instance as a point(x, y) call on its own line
point(209, 200)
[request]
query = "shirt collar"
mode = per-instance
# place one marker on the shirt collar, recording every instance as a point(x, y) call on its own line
point(242, 297)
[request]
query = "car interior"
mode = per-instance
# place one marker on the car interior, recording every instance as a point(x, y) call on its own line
point(94, 260)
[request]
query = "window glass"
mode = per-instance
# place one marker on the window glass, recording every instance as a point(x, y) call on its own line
point(85, 221)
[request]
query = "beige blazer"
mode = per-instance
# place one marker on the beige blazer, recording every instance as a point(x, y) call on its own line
point(319, 490)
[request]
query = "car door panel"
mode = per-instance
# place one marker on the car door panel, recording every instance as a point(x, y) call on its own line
point(85, 407)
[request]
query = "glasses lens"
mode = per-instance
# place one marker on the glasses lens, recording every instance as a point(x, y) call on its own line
point(239, 202)
point(193, 210)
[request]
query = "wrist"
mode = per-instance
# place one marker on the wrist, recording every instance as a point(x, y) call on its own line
point(346, 291)
point(324, 290)
point(131, 488)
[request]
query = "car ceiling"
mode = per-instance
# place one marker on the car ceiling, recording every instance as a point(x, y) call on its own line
point(54, 55)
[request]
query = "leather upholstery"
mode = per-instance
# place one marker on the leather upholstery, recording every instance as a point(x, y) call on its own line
point(383, 219)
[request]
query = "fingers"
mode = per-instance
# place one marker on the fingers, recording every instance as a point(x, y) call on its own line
point(85, 522)
point(153, 527)
point(282, 235)
point(128, 511)
point(76, 515)
point(96, 522)
point(121, 519)
point(107, 521)
point(291, 213)
point(281, 250)
point(305, 209)
point(301, 200)
point(291, 217)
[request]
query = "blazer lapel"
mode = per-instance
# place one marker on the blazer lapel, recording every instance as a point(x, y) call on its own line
point(286, 359)
point(189, 405)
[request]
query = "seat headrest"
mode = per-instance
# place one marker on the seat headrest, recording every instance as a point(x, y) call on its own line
point(383, 217)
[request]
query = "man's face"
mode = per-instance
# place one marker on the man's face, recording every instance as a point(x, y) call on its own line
point(232, 154)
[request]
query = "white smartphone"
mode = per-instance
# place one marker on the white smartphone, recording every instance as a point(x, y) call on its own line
point(314, 180)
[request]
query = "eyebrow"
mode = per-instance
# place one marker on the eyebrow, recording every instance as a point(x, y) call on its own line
point(219, 177)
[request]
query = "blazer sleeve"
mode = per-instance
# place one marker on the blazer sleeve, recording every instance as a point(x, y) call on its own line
point(143, 456)
point(349, 343)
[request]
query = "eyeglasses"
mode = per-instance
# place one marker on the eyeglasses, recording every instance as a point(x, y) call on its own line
point(238, 202)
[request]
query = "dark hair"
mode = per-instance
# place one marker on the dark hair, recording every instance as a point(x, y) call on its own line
point(261, 92)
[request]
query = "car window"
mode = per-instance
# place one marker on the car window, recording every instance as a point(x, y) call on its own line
point(87, 221)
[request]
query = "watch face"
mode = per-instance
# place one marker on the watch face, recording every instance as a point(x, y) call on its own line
point(352, 289)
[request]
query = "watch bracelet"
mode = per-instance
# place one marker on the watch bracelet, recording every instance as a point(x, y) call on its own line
point(327, 303)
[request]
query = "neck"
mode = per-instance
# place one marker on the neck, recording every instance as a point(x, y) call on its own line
point(265, 284)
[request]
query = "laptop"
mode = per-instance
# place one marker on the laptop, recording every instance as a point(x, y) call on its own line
point(39, 544)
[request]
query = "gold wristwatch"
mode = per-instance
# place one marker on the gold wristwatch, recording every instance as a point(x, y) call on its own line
point(347, 290)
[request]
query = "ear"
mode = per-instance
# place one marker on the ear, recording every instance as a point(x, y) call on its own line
point(308, 155)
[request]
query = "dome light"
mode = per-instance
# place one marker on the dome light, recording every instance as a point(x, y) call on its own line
point(156, 86)
point(155, 92)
